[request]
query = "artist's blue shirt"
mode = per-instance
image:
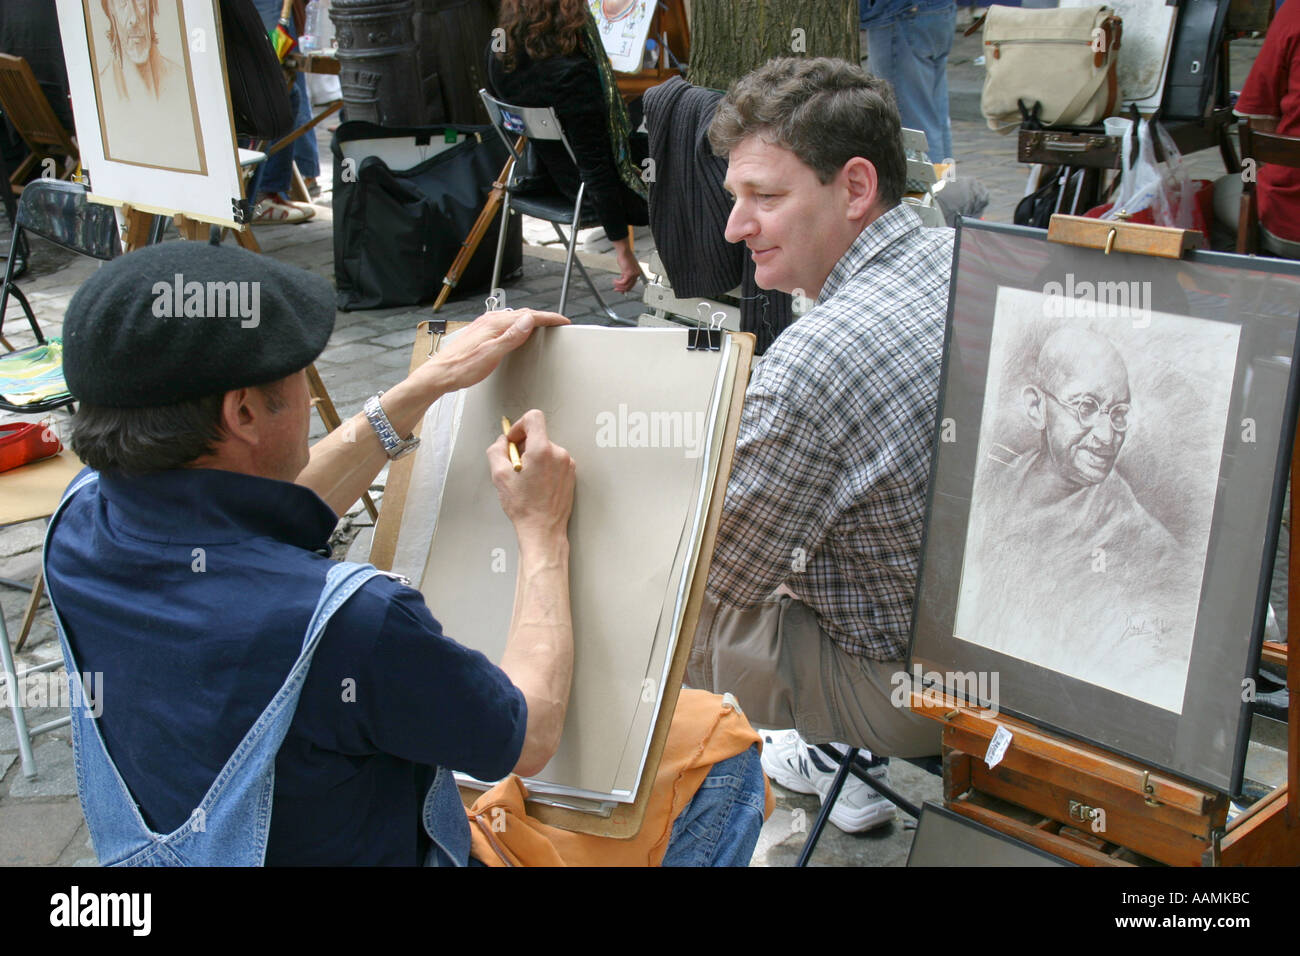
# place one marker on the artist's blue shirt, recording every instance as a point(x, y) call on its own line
point(190, 591)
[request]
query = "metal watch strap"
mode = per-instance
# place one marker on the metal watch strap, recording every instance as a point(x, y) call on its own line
point(394, 445)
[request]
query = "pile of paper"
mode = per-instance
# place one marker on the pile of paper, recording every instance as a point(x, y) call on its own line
point(643, 417)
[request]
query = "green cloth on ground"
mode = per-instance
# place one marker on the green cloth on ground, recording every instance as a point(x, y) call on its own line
point(33, 375)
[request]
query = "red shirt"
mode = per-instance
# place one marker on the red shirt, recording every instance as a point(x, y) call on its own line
point(1273, 89)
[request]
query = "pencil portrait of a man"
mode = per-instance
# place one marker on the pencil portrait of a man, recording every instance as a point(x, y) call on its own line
point(147, 106)
point(1090, 511)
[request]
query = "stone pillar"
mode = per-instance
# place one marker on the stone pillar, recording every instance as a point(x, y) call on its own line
point(379, 63)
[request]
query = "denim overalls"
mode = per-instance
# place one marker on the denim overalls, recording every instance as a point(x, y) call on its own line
point(230, 826)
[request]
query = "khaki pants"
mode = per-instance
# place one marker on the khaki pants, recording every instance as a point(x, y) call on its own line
point(786, 672)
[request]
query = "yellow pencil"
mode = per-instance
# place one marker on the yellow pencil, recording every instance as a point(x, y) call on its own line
point(514, 449)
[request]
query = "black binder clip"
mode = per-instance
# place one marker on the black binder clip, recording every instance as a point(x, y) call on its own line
point(706, 339)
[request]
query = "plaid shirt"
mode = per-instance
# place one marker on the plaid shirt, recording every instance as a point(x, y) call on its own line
point(827, 491)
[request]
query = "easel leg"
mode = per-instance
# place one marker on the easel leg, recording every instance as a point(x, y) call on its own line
point(139, 225)
point(825, 814)
point(1292, 669)
point(190, 229)
point(29, 615)
point(298, 186)
point(330, 416)
point(247, 240)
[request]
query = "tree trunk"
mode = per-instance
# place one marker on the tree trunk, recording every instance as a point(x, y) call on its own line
point(731, 37)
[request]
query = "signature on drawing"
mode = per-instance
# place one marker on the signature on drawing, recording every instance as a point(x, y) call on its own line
point(1139, 626)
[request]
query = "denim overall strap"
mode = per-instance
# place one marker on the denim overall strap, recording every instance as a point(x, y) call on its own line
point(230, 826)
point(445, 821)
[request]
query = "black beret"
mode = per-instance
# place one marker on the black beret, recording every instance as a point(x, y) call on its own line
point(180, 320)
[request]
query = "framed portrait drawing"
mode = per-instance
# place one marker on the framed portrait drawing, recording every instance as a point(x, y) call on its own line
point(1111, 455)
point(149, 96)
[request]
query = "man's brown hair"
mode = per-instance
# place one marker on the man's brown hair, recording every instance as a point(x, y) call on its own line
point(540, 28)
point(825, 111)
point(140, 441)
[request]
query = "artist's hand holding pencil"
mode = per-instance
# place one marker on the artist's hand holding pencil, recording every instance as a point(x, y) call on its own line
point(537, 496)
point(468, 358)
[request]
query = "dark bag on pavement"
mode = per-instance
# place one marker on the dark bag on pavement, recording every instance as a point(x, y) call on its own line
point(404, 201)
point(259, 96)
point(1037, 208)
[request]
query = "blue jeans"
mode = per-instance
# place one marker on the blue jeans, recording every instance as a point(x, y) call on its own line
point(275, 175)
point(908, 45)
point(720, 826)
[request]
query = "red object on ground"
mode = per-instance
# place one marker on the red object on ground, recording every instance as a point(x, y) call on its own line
point(1202, 215)
point(24, 442)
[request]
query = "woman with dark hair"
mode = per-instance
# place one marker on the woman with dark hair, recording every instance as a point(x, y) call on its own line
point(553, 57)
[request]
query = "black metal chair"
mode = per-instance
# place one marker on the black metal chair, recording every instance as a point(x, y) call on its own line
point(540, 123)
point(57, 211)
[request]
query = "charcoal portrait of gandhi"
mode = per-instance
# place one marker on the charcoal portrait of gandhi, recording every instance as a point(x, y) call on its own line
point(1080, 405)
point(1065, 566)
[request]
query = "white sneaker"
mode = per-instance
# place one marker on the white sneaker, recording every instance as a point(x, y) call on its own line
point(804, 769)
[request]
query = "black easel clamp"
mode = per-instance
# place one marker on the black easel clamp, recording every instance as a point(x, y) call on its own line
point(706, 338)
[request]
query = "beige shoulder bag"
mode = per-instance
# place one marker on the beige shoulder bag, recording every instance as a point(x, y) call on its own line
point(1062, 59)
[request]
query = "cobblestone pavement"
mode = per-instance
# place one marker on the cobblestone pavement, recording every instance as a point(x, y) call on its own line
point(40, 821)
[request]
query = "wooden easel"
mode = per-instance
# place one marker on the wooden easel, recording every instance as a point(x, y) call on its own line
point(1045, 789)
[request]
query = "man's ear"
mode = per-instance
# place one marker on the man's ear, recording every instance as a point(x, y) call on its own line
point(238, 416)
point(1032, 396)
point(863, 186)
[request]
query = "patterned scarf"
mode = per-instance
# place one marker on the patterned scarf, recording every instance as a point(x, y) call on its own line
point(620, 127)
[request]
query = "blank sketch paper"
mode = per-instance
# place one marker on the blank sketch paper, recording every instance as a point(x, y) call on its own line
point(636, 410)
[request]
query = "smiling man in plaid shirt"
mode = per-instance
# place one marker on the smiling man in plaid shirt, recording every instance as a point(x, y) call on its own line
point(810, 595)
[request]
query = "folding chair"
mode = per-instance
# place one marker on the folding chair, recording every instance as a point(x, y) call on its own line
point(1262, 148)
point(59, 212)
point(24, 103)
point(540, 123)
point(19, 251)
point(27, 493)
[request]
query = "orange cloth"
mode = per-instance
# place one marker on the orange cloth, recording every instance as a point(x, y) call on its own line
point(706, 729)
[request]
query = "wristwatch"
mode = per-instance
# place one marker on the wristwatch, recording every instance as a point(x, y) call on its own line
point(394, 447)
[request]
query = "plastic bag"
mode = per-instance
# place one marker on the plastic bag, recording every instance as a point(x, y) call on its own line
point(1164, 188)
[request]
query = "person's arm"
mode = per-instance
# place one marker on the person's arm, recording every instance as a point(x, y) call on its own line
point(1261, 97)
point(346, 461)
point(581, 111)
point(580, 106)
point(538, 657)
point(629, 270)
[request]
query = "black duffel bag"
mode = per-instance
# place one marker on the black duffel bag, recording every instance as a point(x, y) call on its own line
point(397, 231)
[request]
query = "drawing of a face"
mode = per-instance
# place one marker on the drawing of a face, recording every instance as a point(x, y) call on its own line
point(133, 27)
point(613, 9)
point(1080, 404)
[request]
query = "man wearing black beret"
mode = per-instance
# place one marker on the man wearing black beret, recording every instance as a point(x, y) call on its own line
point(245, 676)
